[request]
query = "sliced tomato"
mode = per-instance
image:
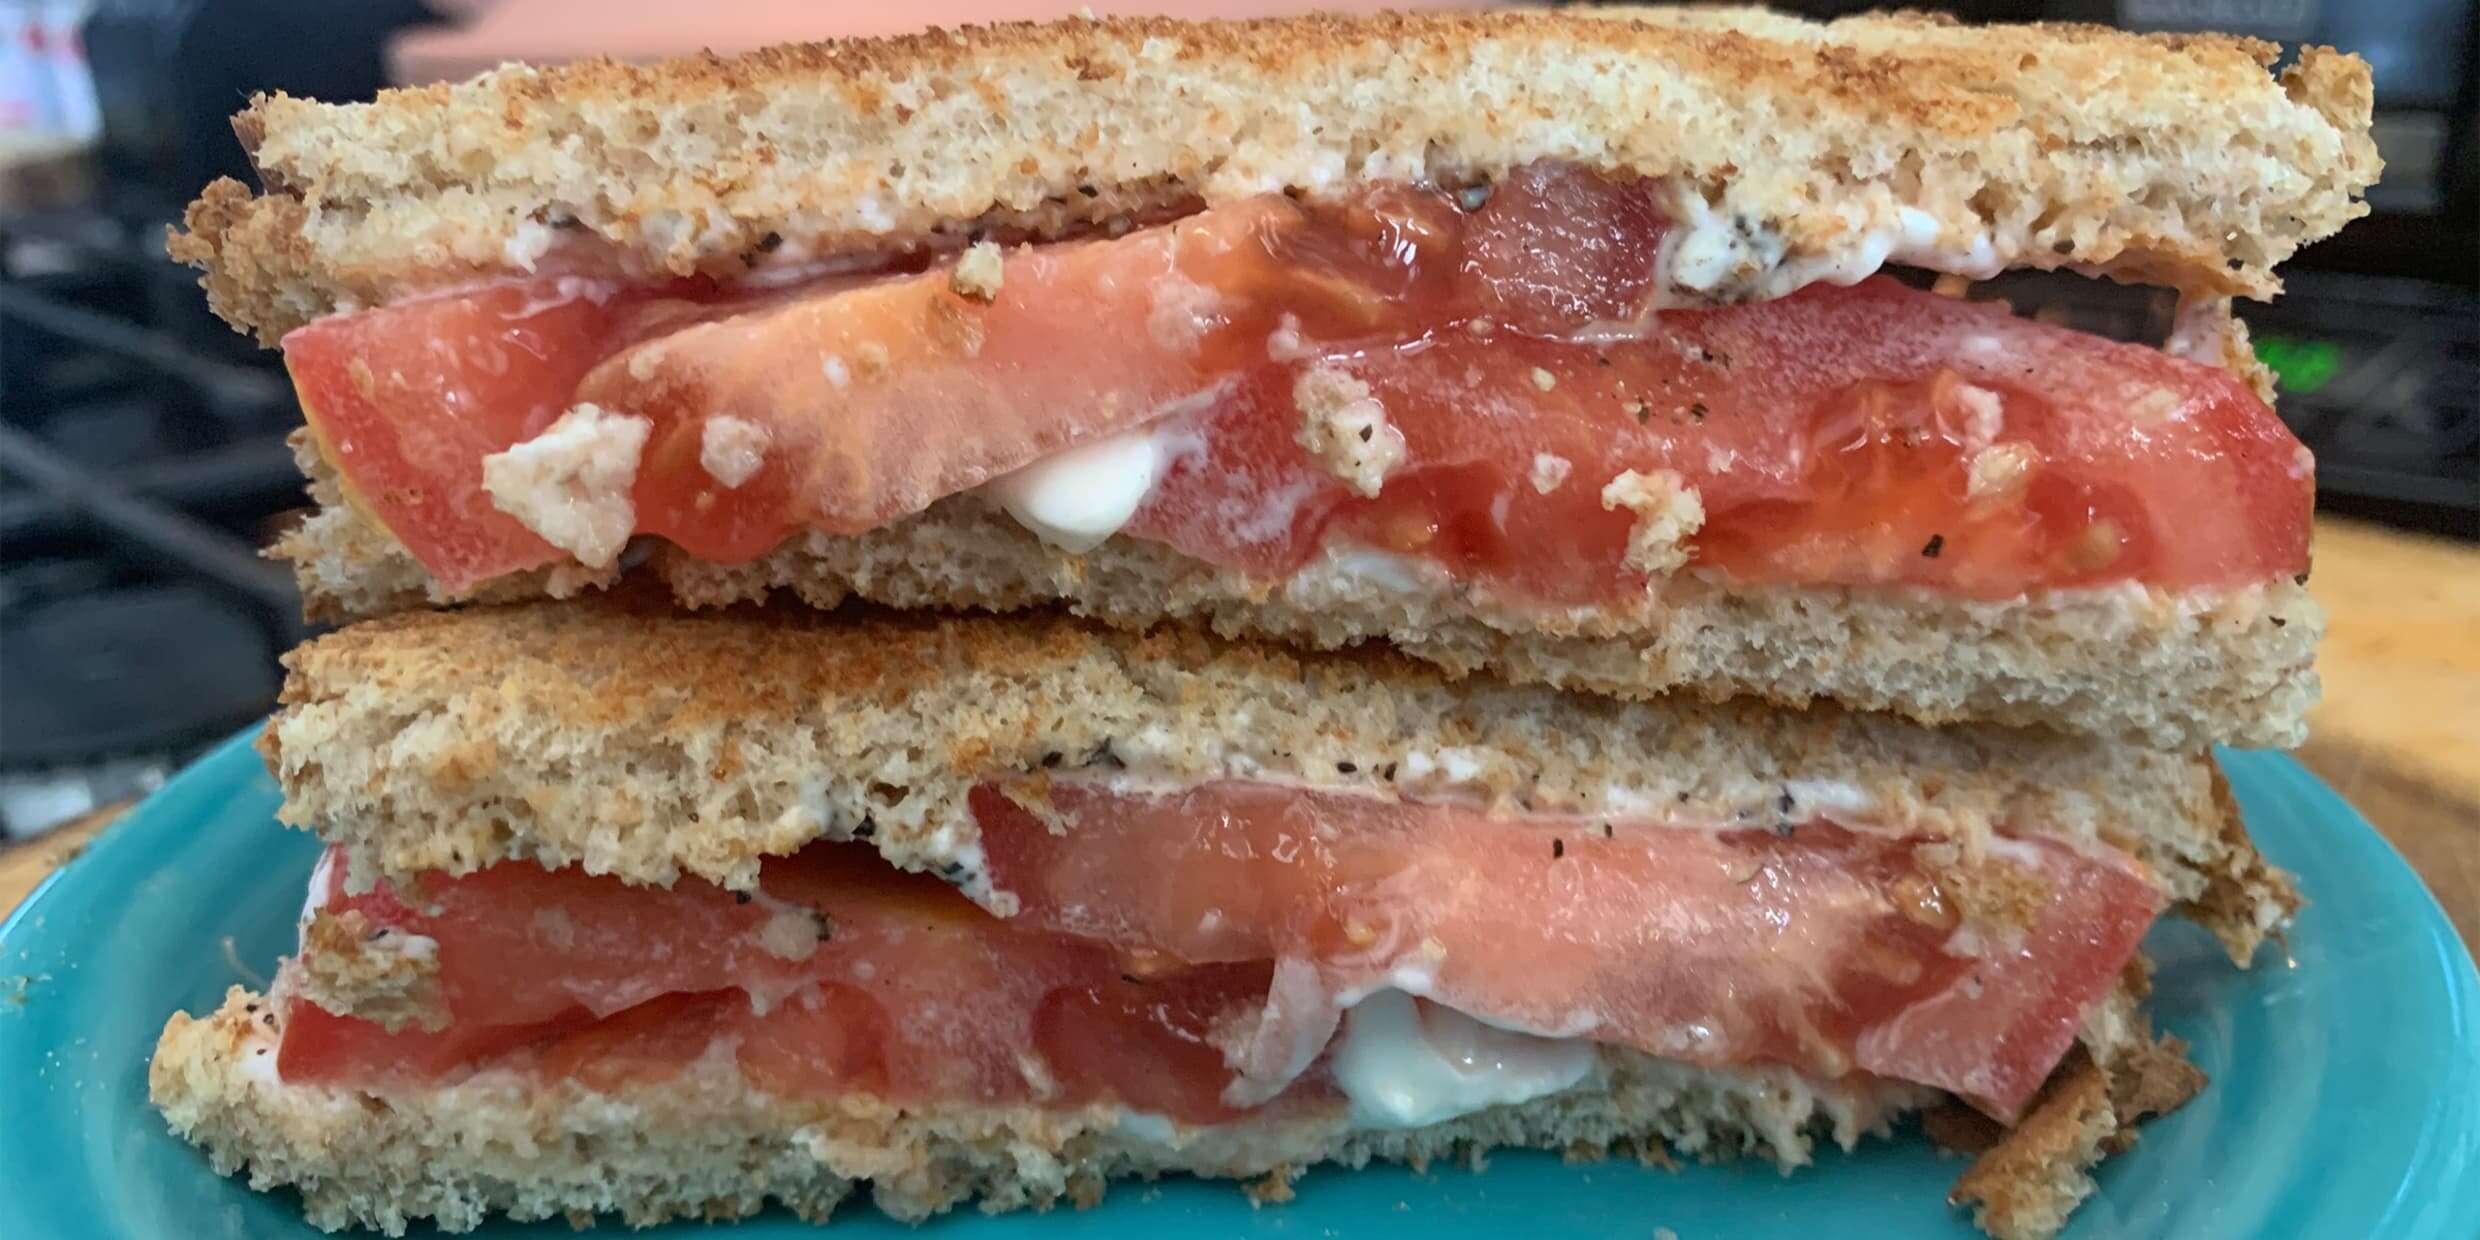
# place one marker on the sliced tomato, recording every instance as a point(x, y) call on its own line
point(408, 399)
point(1831, 436)
point(840, 974)
point(1834, 436)
point(1155, 921)
point(875, 396)
point(1831, 949)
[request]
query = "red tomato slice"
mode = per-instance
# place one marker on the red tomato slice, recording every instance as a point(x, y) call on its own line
point(407, 400)
point(1833, 436)
point(913, 993)
point(1155, 920)
point(1827, 948)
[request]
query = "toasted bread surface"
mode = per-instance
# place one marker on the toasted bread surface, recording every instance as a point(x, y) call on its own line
point(2173, 671)
point(2173, 158)
point(615, 733)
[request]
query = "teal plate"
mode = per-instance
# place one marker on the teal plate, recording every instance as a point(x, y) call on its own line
point(2345, 1099)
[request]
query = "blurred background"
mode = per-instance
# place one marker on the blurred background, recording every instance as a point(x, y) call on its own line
point(142, 462)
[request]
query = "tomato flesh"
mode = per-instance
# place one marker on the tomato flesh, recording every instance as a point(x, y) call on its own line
point(1832, 435)
point(914, 993)
point(1155, 919)
point(1850, 469)
point(1819, 946)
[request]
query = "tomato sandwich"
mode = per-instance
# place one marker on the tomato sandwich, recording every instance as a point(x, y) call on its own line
point(1554, 346)
point(629, 910)
point(966, 616)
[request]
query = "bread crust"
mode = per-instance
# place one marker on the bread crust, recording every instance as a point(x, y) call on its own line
point(618, 734)
point(2171, 158)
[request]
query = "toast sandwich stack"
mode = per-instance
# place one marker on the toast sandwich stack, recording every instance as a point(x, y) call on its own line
point(967, 616)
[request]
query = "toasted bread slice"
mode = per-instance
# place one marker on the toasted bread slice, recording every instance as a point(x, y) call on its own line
point(614, 733)
point(708, 1144)
point(2170, 670)
point(2170, 158)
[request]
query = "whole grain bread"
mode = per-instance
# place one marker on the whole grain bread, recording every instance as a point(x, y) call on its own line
point(617, 734)
point(2171, 158)
point(2174, 671)
point(706, 1144)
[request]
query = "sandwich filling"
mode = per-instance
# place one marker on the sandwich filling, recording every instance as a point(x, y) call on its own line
point(1235, 949)
point(1500, 391)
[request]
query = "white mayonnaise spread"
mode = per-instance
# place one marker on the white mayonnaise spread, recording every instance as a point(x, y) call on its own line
point(1148, 1128)
point(1828, 795)
point(1709, 257)
point(1075, 500)
point(1403, 1068)
point(319, 876)
point(1346, 569)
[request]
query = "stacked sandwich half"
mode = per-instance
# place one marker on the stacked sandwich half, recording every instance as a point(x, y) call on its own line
point(817, 527)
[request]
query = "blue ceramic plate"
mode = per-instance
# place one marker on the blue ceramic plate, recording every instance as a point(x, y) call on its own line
point(2345, 1099)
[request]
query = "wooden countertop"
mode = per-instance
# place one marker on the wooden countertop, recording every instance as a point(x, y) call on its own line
point(2398, 733)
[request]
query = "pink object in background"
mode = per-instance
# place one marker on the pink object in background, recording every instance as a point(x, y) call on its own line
point(47, 96)
point(549, 31)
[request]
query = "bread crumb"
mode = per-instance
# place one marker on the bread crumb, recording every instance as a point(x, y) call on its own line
point(1999, 471)
point(1985, 411)
point(351, 966)
point(1667, 512)
point(2025, 1186)
point(570, 484)
point(1345, 427)
point(791, 934)
point(979, 272)
point(1550, 471)
point(732, 449)
point(1275, 1188)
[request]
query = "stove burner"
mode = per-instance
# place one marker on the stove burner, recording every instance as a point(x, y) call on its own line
point(126, 670)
